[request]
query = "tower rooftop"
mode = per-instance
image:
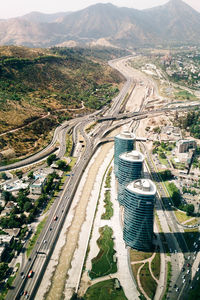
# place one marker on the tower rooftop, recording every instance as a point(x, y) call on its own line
point(142, 187)
point(133, 156)
point(127, 135)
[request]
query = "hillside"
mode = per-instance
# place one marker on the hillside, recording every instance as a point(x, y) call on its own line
point(174, 23)
point(48, 86)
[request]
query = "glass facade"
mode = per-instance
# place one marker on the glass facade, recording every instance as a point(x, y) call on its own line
point(124, 142)
point(129, 168)
point(139, 214)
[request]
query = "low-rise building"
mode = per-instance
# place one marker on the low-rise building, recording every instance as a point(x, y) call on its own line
point(37, 185)
point(184, 145)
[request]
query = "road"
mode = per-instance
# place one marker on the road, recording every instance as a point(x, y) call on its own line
point(182, 258)
point(47, 240)
point(43, 249)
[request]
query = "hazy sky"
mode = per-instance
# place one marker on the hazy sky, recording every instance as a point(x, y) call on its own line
point(13, 8)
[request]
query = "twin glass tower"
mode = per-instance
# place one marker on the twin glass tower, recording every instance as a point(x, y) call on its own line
point(135, 194)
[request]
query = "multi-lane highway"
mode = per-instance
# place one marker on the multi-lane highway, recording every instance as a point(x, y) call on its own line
point(43, 249)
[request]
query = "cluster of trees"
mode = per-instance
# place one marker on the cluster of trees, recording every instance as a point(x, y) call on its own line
point(60, 163)
point(166, 175)
point(191, 121)
point(176, 198)
point(175, 194)
point(161, 147)
point(3, 270)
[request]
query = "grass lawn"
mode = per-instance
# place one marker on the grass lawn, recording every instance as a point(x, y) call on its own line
point(69, 145)
point(104, 290)
point(181, 216)
point(185, 95)
point(139, 255)
point(104, 264)
point(155, 265)
point(32, 242)
point(164, 161)
point(135, 268)
point(193, 222)
point(108, 206)
point(148, 283)
point(108, 179)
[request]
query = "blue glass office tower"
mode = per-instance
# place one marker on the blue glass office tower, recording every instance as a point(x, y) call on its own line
point(139, 214)
point(124, 142)
point(129, 168)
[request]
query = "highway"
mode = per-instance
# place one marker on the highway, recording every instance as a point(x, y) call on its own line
point(43, 249)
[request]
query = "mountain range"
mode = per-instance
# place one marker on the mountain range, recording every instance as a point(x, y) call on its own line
point(174, 23)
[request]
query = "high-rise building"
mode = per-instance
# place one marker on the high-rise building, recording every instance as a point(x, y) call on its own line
point(124, 142)
point(129, 168)
point(139, 214)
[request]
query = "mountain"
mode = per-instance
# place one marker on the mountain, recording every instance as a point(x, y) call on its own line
point(39, 88)
point(172, 23)
point(39, 17)
point(175, 22)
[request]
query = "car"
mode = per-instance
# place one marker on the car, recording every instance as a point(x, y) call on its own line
point(184, 280)
point(183, 269)
point(183, 276)
point(177, 289)
point(188, 257)
point(197, 269)
point(188, 271)
point(197, 278)
point(188, 265)
point(45, 241)
point(22, 273)
point(55, 218)
point(25, 293)
point(30, 274)
point(50, 228)
point(23, 276)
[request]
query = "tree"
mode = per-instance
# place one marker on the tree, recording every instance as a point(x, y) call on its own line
point(166, 175)
point(162, 155)
point(30, 175)
point(27, 206)
point(19, 173)
point(190, 209)
point(50, 159)
point(3, 270)
point(4, 176)
point(7, 196)
point(61, 164)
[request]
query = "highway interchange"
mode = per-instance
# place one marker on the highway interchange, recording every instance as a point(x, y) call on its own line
point(43, 249)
